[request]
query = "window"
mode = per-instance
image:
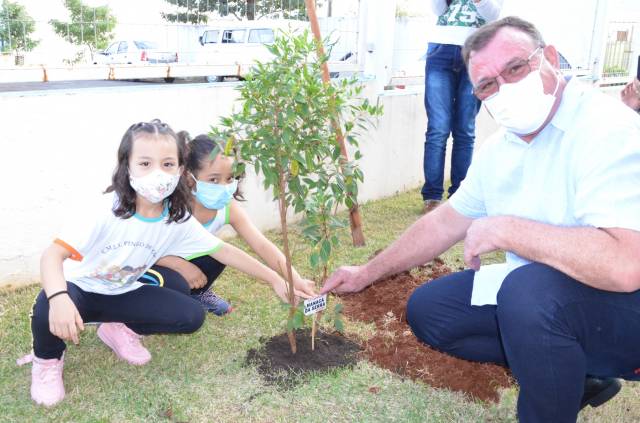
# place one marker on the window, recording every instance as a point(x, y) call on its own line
point(262, 36)
point(145, 45)
point(233, 36)
point(113, 49)
point(123, 47)
point(210, 37)
point(564, 63)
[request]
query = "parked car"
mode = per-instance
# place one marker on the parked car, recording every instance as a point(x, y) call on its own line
point(233, 44)
point(134, 52)
point(569, 70)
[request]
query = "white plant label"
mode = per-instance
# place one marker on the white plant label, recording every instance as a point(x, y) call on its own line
point(314, 305)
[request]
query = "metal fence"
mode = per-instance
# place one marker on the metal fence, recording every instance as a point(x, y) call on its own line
point(14, 32)
point(45, 47)
point(619, 49)
point(180, 16)
point(200, 11)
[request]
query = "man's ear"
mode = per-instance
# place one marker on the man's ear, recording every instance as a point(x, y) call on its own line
point(551, 55)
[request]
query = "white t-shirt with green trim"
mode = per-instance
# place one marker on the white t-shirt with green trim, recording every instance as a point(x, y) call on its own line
point(109, 253)
point(222, 218)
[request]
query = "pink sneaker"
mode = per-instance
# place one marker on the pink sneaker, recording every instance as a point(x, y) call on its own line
point(124, 342)
point(46, 381)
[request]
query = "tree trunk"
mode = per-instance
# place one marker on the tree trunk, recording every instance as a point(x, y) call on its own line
point(251, 10)
point(287, 255)
point(357, 236)
point(90, 51)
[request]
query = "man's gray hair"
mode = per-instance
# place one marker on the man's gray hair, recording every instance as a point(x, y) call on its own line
point(479, 39)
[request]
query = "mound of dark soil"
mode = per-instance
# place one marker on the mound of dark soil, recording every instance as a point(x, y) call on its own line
point(279, 366)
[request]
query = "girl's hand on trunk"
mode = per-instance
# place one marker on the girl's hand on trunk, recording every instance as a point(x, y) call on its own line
point(306, 286)
point(282, 290)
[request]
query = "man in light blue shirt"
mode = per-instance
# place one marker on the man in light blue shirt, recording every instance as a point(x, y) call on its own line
point(558, 188)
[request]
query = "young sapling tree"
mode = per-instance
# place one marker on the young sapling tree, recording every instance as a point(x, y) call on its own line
point(286, 130)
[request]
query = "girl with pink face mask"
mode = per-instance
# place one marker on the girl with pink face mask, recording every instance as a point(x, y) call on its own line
point(111, 242)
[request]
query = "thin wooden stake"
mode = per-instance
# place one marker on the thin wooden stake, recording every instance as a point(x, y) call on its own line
point(313, 334)
point(355, 221)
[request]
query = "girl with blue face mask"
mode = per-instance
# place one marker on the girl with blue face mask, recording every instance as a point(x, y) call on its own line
point(214, 203)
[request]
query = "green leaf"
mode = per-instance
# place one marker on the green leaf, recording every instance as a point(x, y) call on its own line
point(325, 251)
point(348, 202)
point(290, 324)
point(314, 260)
point(298, 319)
point(338, 325)
point(348, 126)
point(228, 147)
point(214, 153)
point(239, 168)
point(338, 308)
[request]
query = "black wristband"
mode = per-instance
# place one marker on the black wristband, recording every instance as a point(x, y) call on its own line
point(57, 293)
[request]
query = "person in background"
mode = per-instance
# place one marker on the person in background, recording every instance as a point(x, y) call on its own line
point(448, 98)
point(630, 94)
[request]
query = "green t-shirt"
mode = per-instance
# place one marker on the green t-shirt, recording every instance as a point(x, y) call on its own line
point(461, 13)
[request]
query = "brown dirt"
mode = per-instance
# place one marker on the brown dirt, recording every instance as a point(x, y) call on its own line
point(279, 366)
point(394, 346)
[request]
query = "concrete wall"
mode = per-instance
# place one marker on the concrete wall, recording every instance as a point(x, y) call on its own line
point(59, 145)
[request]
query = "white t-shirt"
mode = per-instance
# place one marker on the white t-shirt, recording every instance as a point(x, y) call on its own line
point(583, 169)
point(109, 253)
point(222, 218)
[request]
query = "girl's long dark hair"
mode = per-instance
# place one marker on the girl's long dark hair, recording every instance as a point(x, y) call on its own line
point(200, 151)
point(178, 202)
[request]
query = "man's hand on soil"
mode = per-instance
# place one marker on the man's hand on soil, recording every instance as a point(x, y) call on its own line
point(344, 280)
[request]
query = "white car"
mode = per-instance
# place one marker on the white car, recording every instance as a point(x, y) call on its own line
point(134, 52)
point(233, 47)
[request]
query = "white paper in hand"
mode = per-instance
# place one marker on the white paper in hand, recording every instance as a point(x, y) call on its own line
point(314, 305)
point(487, 282)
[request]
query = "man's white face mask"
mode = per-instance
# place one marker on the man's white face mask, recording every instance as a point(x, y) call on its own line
point(522, 107)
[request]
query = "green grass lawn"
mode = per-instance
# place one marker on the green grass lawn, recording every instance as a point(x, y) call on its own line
point(202, 378)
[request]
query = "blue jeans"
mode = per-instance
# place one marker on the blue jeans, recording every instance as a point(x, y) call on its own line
point(551, 330)
point(451, 109)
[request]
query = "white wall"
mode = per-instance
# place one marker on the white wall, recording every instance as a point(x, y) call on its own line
point(59, 145)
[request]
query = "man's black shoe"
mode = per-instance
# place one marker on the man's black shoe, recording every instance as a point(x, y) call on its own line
point(598, 391)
